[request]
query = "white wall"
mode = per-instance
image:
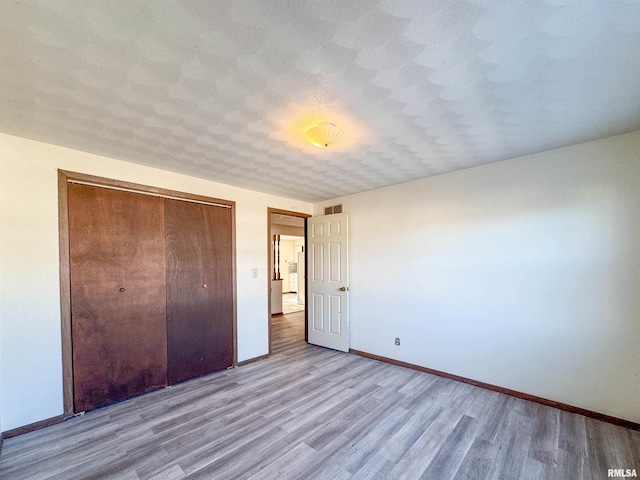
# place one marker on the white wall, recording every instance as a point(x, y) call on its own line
point(286, 255)
point(30, 343)
point(523, 274)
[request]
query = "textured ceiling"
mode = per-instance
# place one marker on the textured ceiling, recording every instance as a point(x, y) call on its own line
point(224, 90)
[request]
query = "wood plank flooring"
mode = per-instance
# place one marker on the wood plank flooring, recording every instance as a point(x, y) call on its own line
point(307, 412)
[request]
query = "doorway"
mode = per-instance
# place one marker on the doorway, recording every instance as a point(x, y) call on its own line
point(287, 272)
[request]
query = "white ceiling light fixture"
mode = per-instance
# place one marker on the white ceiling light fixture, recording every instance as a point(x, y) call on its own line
point(324, 134)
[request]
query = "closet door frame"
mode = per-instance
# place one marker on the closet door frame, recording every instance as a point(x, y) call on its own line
point(64, 178)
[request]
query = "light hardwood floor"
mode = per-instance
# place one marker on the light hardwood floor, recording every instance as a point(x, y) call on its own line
point(290, 303)
point(307, 412)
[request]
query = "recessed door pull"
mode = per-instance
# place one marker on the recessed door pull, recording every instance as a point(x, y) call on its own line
point(122, 289)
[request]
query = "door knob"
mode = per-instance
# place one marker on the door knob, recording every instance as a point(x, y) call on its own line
point(344, 289)
point(204, 285)
point(122, 289)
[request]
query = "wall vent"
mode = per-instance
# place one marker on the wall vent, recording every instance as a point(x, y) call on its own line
point(334, 209)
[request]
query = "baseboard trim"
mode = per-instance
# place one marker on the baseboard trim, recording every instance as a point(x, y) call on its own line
point(251, 360)
point(514, 393)
point(33, 426)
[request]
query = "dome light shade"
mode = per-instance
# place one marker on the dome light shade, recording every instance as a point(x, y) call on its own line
point(324, 134)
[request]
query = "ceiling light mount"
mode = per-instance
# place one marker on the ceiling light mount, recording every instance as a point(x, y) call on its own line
point(324, 134)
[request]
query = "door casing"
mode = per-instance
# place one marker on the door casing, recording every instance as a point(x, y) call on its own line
point(269, 247)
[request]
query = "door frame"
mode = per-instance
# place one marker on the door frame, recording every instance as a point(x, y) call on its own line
point(64, 178)
point(269, 246)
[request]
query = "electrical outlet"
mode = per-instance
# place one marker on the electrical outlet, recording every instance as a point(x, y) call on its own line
point(397, 340)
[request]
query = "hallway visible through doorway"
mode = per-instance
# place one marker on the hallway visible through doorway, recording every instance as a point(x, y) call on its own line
point(287, 284)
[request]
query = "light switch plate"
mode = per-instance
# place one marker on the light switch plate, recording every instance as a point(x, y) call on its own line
point(254, 273)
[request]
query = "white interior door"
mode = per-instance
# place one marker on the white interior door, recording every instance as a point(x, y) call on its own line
point(328, 287)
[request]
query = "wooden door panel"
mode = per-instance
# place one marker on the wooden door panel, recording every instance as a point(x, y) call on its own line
point(199, 289)
point(118, 294)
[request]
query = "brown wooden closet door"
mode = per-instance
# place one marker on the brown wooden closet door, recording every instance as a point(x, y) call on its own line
point(118, 296)
point(199, 289)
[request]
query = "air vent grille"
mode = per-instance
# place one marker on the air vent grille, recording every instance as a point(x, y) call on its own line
point(333, 209)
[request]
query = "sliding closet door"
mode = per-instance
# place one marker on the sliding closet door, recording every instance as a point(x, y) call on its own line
point(199, 289)
point(118, 296)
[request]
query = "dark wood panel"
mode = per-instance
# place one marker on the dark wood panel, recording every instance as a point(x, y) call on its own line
point(66, 178)
point(118, 296)
point(199, 289)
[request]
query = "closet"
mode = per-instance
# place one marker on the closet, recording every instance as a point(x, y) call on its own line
point(151, 286)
